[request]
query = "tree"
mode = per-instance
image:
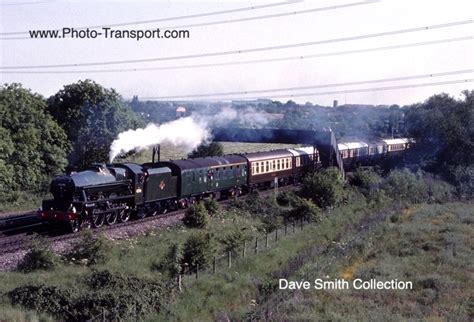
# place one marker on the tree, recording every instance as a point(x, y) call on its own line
point(207, 150)
point(173, 260)
point(92, 117)
point(32, 145)
point(325, 188)
point(196, 216)
point(197, 250)
point(444, 137)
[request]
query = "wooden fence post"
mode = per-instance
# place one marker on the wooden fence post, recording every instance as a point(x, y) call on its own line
point(276, 235)
point(256, 245)
point(214, 265)
point(197, 271)
point(229, 259)
point(243, 250)
point(266, 240)
point(180, 287)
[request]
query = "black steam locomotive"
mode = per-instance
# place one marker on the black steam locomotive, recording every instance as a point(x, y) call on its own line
point(106, 194)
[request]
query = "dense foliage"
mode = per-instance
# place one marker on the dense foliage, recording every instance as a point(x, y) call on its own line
point(38, 257)
point(325, 188)
point(443, 130)
point(92, 117)
point(207, 150)
point(32, 145)
point(196, 216)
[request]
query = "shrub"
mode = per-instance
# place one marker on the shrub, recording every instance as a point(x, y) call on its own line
point(121, 296)
point(38, 257)
point(402, 185)
point(367, 181)
point(172, 262)
point(212, 206)
point(287, 199)
point(196, 216)
point(90, 249)
point(42, 298)
point(234, 239)
point(305, 209)
point(325, 188)
point(197, 250)
point(270, 224)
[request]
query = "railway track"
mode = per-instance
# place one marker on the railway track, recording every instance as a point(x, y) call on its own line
point(20, 237)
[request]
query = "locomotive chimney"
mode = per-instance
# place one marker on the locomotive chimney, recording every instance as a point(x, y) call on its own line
point(156, 151)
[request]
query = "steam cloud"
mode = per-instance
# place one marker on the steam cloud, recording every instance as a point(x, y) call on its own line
point(188, 132)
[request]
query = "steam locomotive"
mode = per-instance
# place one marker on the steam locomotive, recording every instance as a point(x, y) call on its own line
point(106, 194)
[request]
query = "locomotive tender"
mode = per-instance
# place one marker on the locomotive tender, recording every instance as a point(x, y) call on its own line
point(111, 193)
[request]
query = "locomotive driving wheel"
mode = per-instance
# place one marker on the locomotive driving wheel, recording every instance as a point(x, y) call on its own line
point(111, 218)
point(97, 219)
point(123, 215)
point(74, 225)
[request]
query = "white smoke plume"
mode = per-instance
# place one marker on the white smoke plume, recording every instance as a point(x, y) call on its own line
point(185, 132)
point(188, 132)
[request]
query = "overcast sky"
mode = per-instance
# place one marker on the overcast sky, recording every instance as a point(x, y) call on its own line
point(348, 21)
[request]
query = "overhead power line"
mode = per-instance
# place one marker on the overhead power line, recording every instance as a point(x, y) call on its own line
point(197, 15)
point(244, 62)
point(393, 79)
point(21, 3)
point(249, 50)
point(261, 17)
point(361, 90)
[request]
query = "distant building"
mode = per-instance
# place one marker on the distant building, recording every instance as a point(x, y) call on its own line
point(180, 112)
point(334, 104)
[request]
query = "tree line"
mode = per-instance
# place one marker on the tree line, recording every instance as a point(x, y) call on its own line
point(39, 136)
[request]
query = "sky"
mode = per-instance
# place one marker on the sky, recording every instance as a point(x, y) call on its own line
point(278, 23)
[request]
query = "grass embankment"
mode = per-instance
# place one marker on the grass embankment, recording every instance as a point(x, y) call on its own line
point(428, 244)
point(233, 293)
point(229, 290)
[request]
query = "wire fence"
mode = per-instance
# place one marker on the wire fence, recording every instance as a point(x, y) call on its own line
point(226, 260)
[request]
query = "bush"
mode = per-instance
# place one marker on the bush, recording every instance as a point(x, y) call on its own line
point(212, 206)
point(270, 224)
point(234, 240)
point(38, 257)
point(325, 188)
point(367, 181)
point(121, 296)
point(172, 262)
point(197, 250)
point(305, 209)
point(90, 249)
point(42, 298)
point(287, 199)
point(402, 185)
point(196, 216)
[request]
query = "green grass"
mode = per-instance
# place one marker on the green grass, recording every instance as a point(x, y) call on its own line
point(430, 245)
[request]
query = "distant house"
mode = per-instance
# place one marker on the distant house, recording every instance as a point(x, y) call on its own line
point(180, 112)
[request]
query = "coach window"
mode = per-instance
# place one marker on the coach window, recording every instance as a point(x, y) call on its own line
point(266, 166)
